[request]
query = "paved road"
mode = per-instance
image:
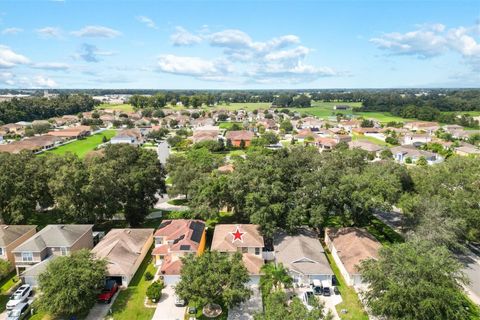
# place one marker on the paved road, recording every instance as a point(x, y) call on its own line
point(246, 310)
point(471, 262)
point(166, 309)
point(100, 310)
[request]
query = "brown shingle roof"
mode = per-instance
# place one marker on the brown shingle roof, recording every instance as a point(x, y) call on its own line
point(240, 135)
point(223, 238)
point(353, 245)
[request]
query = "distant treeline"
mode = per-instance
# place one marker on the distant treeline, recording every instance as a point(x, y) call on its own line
point(39, 108)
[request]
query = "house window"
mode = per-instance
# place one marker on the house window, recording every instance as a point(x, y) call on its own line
point(27, 256)
point(63, 251)
point(1, 252)
point(257, 251)
point(244, 250)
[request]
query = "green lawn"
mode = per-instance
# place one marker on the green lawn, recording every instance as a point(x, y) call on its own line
point(130, 302)
point(371, 139)
point(350, 300)
point(118, 107)
point(84, 146)
point(228, 125)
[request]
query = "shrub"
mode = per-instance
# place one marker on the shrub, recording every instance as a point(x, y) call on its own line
point(154, 291)
point(148, 276)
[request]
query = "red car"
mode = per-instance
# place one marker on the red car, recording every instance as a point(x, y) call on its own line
point(111, 287)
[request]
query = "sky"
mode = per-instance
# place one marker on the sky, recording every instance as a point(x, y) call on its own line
point(214, 44)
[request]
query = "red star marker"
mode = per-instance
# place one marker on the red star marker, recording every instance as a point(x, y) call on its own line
point(237, 235)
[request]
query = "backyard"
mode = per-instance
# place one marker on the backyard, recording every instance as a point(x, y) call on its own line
point(83, 146)
point(130, 302)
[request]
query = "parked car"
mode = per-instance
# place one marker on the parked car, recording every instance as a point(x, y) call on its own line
point(336, 291)
point(179, 302)
point(111, 287)
point(326, 291)
point(20, 312)
point(19, 296)
point(334, 281)
point(192, 310)
point(307, 296)
point(317, 287)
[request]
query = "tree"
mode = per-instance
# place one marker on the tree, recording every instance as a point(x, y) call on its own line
point(421, 161)
point(242, 144)
point(386, 154)
point(286, 126)
point(274, 277)
point(5, 268)
point(278, 306)
point(214, 277)
point(70, 284)
point(415, 281)
point(154, 291)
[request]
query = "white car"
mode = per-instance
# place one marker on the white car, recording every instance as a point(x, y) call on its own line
point(19, 296)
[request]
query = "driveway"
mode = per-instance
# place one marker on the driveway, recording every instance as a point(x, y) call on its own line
point(246, 310)
point(166, 309)
point(329, 302)
point(3, 315)
point(100, 310)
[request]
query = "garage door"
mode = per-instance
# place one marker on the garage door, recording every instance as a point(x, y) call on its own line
point(118, 280)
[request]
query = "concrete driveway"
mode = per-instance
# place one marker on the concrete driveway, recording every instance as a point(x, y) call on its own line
point(100, 310)
point(246, 310)
point(3, 315)
point(166, 309)
point(329, 302)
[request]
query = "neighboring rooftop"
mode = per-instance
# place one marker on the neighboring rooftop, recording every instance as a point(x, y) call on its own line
point(10, 233)
point(302, 253)
point(54, 235)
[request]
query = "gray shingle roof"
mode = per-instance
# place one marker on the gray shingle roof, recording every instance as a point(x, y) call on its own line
point(10, 233)
point(54, 235)
point(301, 253)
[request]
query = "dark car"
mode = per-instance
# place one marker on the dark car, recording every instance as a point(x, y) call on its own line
point(111, 287)
point(318, 291)
point(326, 291)
point(334, 281)
point(336, 291)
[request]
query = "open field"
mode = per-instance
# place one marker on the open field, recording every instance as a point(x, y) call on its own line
point(325, 109)
point(118, 107)
point(84, 146)
point(371, 139)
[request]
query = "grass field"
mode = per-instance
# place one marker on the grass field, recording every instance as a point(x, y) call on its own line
point(371, 139)
point(118, 107)
point(130, 302)
point(84, 146)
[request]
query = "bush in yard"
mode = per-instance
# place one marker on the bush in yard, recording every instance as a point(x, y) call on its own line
point(148, 276)
point(154, 291)
point(5, 268)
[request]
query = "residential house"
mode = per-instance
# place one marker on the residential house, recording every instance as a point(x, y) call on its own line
point(325, 144)
point(236, 137)
point(128, 136)
point(348, 125)
point(205, 133)
point(303, 255)
point(202, 122)
point(426, 126)
point(124, 250)
point(402, 153)
point(243, 238)
point(12, 236)
point(268, 124)
point(53, 240)
point(310, 123)
point(174, 239)
point(349, 247)
point(228, 168)
point(13, 129)
point(365, 145)
point(416, 138)
point(305, 134)
point(467, 150)
point(34, 144)
point(76, 132)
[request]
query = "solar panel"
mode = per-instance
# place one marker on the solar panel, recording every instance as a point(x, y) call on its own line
point(185, 247)
point(197, 233)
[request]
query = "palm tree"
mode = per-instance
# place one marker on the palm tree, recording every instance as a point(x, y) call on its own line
point(274, 277)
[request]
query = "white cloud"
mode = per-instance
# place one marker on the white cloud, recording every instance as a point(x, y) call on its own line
point(7, 78)
point(12, 30)
point(49, 32)
point(182, 37)
point(97, 32)
point(147, 21)
point(279, 59)
point(54, 66)
point(43, 82)
point(194, 66)
point(434, 40)
point(9, 58)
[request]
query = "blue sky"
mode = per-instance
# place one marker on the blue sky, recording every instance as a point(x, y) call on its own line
point(239, 44)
